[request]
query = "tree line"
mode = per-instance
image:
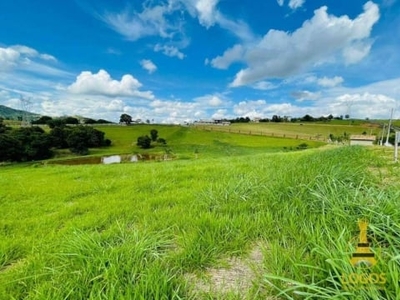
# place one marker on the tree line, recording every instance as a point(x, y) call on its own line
point(278, 118)
point(127, 119)
point(33, 143)
point(53, 122)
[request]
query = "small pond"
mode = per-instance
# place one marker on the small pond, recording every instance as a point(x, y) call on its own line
point(112, 159)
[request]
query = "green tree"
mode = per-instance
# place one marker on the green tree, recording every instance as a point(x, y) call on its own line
point(307, 118)
point(81, 138)
point(125, 118)
point(102, 121)
point(77, 141)
point(10, 148)
point(32, 143)
point(89, 121)
point(276, 118)
point(59, 136)
point(56, 123)
point(144, 142)
point(71, 120)
point(3, 127)
point(95, 137)
point(161, 141)
point(42, 120)
point(154, 135)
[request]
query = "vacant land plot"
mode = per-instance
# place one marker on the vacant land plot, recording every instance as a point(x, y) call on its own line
point(298, 130)
point(190, 142)
point(282, 225)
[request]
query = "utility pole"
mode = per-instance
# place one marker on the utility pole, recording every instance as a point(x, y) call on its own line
point(382, 135)
point(390, 124)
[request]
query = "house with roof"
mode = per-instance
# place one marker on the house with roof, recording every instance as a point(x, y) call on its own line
point(363, 140)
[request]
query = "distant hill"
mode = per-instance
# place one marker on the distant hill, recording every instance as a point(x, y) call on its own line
point(14, 114)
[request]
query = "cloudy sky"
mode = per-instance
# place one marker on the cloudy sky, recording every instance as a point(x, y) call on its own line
point(184, 60)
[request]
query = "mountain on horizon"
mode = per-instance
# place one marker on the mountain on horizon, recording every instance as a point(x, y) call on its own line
point(14, 114)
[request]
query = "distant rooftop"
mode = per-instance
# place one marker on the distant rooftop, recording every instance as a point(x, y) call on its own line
point(362, 137)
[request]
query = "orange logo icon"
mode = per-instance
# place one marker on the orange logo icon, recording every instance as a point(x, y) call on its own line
point(363, 257)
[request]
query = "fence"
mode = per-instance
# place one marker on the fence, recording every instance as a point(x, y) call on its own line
point(262, 133)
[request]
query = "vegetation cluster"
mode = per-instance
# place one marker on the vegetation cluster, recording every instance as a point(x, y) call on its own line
point(284, 119)
point(68, 120)
point(78, 138)
point(145, 142)
point(305, 118)
point(34, 143)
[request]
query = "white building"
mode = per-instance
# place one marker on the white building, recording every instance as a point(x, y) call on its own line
point(363, 140)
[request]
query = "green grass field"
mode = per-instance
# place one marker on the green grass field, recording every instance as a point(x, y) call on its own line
point(281, 224)
point(305, 130)
point(191, 142)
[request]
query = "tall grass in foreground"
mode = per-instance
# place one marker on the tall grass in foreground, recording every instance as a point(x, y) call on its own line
point(134, 231)
point(320, 224)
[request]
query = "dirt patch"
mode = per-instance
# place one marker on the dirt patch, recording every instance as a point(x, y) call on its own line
point(77, 161)
point(236, 278)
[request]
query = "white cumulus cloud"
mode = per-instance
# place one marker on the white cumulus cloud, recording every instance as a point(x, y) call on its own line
point(205, 10)
point(169, 51)
point(115, 105)
point(22, 56)
point(151, 21)
point(264, 86)
point(252, 108)
point(294, 4)
point(356, 52)
point(48, 57)
point(220, 114)
point(101, 83)
point(231, 55)
point(8, 58)
point(280, 54)
point(148, 65)
point(214, 100)
point(305, 95)
point(330, 82)
point(361, 105)
point(208, 15)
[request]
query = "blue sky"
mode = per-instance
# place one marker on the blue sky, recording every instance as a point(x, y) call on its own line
point(173, 61)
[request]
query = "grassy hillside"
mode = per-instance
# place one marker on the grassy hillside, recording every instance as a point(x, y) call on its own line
point(188, 229)
point(302, 130)
point(13, 114)
point(191, 142)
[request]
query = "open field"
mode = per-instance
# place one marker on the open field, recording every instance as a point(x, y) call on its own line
point(245, 227)
point(314, 131)
point(190, 142)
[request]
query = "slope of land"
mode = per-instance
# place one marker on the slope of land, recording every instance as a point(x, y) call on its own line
point(191, 142)
point(13, 114)
point(305, 130)
point(178, 229)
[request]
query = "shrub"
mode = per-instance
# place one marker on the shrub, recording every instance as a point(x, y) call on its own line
point(144, 142)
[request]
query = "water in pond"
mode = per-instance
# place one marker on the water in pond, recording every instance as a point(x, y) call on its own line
point(78, 161)
point(112, 159)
